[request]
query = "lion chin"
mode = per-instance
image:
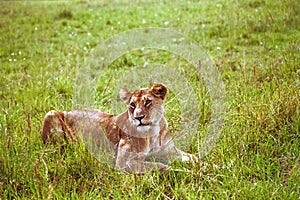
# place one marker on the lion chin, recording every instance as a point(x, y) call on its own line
point(134, 135)
point(143, 127)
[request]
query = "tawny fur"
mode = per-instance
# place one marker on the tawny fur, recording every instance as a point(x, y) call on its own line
point(134, 134)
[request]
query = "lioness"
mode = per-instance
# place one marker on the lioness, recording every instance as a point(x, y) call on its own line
point(139, 132)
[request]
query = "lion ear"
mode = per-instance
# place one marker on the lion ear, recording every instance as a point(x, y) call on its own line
point(125, 95)
point(159, 90)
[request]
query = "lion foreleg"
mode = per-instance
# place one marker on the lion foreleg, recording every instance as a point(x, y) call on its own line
point(133, 162)
point(170, 152)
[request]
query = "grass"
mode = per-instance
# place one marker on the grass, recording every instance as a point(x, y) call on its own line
point(255, 45)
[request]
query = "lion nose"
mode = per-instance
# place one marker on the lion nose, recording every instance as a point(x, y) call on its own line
point(139, 117)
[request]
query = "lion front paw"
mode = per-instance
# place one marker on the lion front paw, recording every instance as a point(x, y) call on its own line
point(190, 158)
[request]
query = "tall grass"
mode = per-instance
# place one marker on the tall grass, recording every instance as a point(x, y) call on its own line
point(255, 45)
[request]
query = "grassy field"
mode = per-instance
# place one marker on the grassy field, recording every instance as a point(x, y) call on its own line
point(256, 48)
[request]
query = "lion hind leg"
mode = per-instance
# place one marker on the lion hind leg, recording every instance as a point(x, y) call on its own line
point(53, 125)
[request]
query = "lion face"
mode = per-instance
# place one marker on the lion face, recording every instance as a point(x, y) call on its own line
point(145, 106)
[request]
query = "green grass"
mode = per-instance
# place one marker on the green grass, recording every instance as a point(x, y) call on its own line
point(255, 45)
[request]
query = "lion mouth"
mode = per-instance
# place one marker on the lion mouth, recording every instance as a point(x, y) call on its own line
point(142, 124)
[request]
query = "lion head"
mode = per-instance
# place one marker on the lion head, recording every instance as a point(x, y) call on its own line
point(145, 106)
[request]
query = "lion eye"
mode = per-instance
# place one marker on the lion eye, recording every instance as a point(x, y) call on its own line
point(147, 102)
point(132, 105)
